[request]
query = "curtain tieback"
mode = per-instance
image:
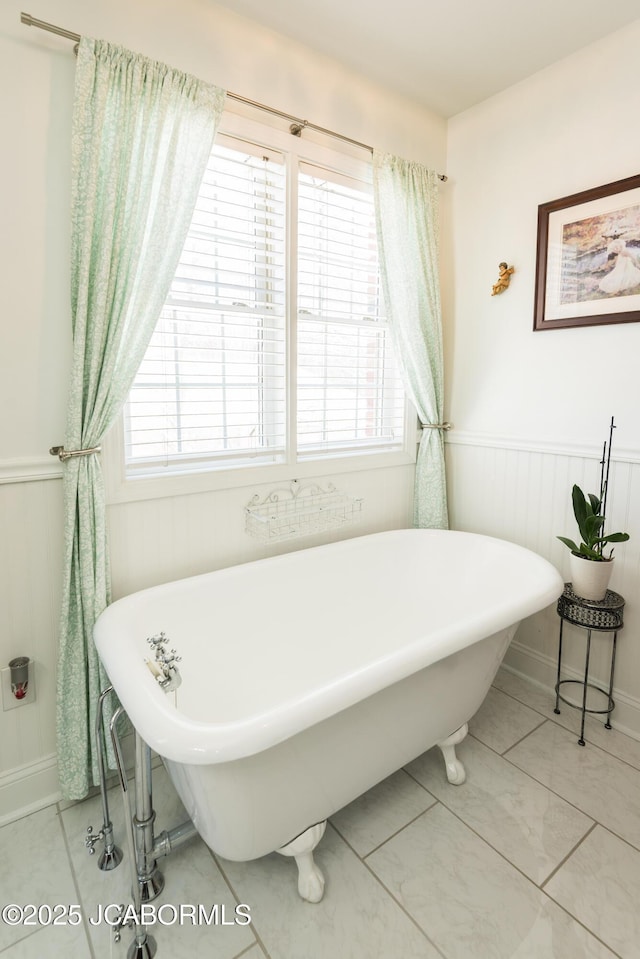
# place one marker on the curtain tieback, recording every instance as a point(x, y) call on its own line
point(64, 454)
point(437, 426)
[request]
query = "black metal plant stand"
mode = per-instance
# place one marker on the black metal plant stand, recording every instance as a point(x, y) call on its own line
point(593, 616)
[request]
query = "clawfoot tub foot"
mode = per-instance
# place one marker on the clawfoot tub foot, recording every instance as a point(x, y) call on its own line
point(310, 878)
point(454, 768)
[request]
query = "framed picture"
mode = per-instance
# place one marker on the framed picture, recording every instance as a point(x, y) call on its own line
point(588, 258)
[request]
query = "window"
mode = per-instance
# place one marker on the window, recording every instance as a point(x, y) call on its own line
point(349, 394)
point(272, 345)
point(211, 389)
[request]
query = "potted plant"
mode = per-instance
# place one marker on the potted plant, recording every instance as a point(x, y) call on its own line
point(591, 567)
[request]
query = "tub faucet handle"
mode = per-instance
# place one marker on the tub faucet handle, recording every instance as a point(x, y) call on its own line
point(92, 838)
point(157, 642)
point(121, 921)
point(165, 670)
point(168, 658)
point(169, 678)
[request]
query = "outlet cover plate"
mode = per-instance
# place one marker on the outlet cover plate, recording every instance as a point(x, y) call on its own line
point(9, 701)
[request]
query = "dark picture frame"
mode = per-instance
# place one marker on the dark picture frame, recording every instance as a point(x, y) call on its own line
point(588, 258)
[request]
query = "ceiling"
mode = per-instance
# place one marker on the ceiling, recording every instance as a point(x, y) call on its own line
point(447, 55)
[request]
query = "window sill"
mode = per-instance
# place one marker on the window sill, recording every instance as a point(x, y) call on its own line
point(123, 490)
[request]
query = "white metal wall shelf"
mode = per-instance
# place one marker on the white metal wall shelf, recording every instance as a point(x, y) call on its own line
point(299, 510)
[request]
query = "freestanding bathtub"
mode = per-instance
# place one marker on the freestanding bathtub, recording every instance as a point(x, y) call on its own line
point(311, 676)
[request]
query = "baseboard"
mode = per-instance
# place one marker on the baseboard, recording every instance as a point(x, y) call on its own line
point(31, 787)
point(28, 788)
point(535, 666)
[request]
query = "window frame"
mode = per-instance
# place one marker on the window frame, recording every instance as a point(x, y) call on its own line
point(121, 487)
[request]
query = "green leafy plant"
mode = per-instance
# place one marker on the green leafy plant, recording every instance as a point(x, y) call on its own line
point(589, 514)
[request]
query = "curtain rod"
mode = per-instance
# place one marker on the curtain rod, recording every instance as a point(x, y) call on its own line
point(296, 128)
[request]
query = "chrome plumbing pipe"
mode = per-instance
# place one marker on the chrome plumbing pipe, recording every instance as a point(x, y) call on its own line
point(168, 841)
point(144, 946)
point(111, 855)
point(149, 877)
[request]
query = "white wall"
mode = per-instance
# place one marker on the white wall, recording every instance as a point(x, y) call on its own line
point(160, 539)
point(531, 410)
point(564, 130)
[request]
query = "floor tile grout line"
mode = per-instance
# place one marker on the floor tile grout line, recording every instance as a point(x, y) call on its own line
point(516, 699)
point(363, 856)
point(514, 744)
point(544, 716)
point(74, 876)
point(566, 859)
point(594, 822)
point(371, 872)
point(541, 783)
point(40, 929)
point(538, 886)
point(589, 742)
point(28, 935)
point(386, 889)
point(541, 886)
point(570, 732)
point(558, 795)
point(414, 778)
point(245, 952)
point(579, 922)
point(533, 778)
point(565, 908)
point(391, 894)
point(592, 743)
point(622, 839)
point(486, 842)
point(556, 722)
point(231, 887)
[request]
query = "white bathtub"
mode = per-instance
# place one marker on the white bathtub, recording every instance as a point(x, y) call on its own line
point(311, 676)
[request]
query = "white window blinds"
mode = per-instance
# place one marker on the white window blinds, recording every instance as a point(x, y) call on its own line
point(221, 384)
point(350, 397)
point(211, 389)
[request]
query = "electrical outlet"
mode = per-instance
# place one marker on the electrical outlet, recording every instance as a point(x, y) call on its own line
point(9, 701)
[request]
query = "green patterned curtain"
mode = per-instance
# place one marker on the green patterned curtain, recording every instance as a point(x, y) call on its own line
point(142, 135)
point(407, 205)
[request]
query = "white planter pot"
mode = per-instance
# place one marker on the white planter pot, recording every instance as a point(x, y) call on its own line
point(589, 578)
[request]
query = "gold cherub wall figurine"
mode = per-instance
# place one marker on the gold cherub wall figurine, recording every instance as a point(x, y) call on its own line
point(504, 278)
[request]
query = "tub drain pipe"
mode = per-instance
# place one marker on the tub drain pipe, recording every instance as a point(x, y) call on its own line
point(144, 946)
point(168, 842)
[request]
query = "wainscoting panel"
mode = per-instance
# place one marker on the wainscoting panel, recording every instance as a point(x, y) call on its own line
point(151, 542)
point(522, 494)
point(155, 541)
point(495, 487)
point(30, 578)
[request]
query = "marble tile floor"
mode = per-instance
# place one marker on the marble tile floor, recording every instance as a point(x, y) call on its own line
point(536, 856)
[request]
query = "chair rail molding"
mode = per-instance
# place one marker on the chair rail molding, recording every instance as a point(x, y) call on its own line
point(536, 445)
point(32, 469)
